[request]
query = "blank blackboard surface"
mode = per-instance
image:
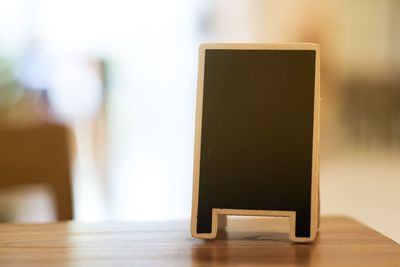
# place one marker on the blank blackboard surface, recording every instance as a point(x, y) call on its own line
point(256, 134)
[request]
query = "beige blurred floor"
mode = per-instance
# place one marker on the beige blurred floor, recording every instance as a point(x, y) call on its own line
point(365, 186)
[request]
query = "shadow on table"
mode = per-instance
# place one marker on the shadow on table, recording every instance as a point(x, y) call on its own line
point(251, 248)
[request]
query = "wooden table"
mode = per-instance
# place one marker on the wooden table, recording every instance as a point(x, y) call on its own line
point(253, 242)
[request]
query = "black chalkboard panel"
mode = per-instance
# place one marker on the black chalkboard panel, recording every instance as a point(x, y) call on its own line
point(257, 136)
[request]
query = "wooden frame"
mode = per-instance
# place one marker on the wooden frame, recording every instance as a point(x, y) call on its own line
point(315, 150)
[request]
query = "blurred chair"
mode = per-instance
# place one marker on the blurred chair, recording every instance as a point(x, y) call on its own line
point(38, 155)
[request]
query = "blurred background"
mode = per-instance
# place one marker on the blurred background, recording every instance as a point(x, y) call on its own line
point(117, 81)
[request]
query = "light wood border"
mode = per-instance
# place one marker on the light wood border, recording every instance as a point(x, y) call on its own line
point(315, 155)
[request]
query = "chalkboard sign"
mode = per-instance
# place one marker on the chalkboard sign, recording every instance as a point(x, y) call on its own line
point(257, 136)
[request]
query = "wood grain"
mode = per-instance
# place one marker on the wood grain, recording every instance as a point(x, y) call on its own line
point(253, 242)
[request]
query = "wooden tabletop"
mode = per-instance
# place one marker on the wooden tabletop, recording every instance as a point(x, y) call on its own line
point(254, 242)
